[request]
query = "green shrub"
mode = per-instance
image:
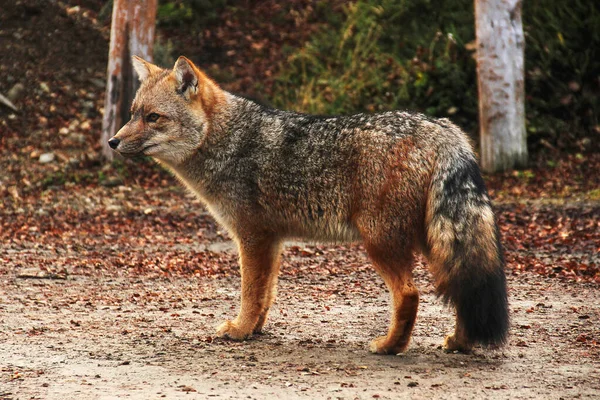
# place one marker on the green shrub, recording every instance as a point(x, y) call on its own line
point(164, 53)
point(418, 54)
point(188, 13)
point(360, 64)
point(562, 57)
point(415, 54)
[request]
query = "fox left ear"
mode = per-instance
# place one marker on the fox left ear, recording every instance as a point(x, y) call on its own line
point(186, 76)
point(143, 68)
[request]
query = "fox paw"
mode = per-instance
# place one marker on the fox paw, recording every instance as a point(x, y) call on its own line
point(258, 331)
point(451, 344)
point(381, 346)
point(229, 329)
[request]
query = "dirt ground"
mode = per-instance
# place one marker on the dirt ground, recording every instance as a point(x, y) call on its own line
point(70, 335)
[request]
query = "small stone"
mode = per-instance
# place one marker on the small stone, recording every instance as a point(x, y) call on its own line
point(85, 126)
point(113, 207)
point(44, 86)
point(46, 158)
point(73, 125)
point(15, 92)
point(73, 10)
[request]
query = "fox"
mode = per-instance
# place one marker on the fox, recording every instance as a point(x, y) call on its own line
point(401, 183)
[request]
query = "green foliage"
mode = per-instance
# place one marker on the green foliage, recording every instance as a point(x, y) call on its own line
point(360, 63)
point(164, 53)
point(594, 194)
point(563, 68)
point(417, 54)
point(335, 72)
point(188, 13)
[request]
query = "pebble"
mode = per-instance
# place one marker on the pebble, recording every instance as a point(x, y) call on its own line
point(46, 158)
point(73, 125)
point(15, 92)
point(73, 10)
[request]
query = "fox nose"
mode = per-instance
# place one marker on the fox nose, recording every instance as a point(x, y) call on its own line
point(113, 143)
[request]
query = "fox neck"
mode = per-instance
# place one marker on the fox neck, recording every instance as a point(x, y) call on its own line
point(204, 171)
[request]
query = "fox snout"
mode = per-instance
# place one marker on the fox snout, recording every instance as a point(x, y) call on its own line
point(113, 142)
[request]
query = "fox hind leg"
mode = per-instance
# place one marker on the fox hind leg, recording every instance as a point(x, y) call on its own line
point(259, 268)
point(458, 341)
point(397, 275)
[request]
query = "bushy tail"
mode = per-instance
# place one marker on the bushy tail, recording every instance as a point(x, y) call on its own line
point(464, 249)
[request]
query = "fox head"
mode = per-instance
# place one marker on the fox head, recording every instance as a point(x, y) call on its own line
point(171, 113)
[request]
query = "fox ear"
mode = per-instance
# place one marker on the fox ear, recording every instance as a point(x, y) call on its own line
point(143, 68)
point(186, 76)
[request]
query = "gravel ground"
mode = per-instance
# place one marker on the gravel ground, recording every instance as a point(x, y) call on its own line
point(104, 336)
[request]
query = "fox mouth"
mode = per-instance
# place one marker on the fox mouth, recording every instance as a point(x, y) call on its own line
point(133, 153)
point(148, 147)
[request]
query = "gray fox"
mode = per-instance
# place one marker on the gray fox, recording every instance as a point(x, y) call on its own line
point(396, 181)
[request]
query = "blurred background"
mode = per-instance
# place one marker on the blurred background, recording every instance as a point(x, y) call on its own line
point(330, 57)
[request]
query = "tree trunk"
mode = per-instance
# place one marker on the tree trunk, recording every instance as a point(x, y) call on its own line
point(500, 53)
point(131, 33)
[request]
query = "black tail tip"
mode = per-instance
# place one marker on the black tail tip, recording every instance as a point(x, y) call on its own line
point(482, 308)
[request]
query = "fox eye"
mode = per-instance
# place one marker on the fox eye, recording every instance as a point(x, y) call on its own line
point(152, 117)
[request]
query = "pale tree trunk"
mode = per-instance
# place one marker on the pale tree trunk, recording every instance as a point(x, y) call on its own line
point(131, 33)
point(500, 53)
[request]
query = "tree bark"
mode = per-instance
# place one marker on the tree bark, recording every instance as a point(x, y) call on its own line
point(500, 71)
point(131, 33)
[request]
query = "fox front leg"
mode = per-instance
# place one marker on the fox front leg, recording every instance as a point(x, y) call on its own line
point(259, 269)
